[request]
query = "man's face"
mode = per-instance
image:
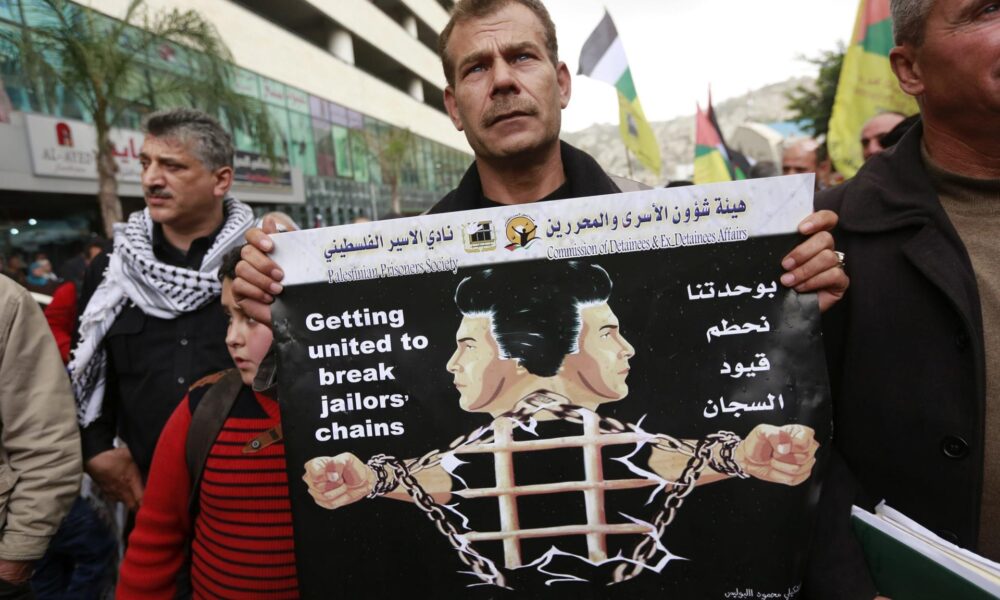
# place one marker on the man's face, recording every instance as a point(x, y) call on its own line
point(798, 159)
point(246, 339)
point(874, 130)
point(507, 95)
point(601, 365)
point(955, 73)
point(179, 190)
point(481, 376)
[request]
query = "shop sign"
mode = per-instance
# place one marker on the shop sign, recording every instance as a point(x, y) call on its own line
point(68, 148)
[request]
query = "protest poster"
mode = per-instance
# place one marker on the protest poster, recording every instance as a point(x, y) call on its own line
point(610, 397)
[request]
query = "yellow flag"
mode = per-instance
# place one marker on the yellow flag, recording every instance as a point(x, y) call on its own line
point(637, 133)
point(867, 85)
point(603, 58)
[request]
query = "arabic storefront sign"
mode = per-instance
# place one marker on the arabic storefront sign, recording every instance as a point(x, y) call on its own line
point(605, 397)
point(251, 167)
point(68, 148)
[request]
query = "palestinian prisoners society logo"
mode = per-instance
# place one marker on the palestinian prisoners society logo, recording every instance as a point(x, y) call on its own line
point(521, 232)
point(480, 237)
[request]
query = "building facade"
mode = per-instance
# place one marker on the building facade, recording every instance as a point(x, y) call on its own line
point(343, 81)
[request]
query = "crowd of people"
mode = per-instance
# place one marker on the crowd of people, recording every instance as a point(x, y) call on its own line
point(170, 392)
point(809, 155)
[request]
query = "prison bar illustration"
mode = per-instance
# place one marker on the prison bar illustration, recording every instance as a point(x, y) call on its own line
point(593, 487)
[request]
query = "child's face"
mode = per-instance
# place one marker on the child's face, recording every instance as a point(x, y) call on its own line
point(247, 340)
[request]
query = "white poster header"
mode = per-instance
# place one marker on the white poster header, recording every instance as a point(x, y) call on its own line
point(612, 224)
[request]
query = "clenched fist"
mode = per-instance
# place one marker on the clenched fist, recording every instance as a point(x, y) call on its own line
point(783, 454)
point(336, 481)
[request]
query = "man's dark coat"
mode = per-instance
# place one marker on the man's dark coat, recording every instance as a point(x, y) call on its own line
point(907, 363)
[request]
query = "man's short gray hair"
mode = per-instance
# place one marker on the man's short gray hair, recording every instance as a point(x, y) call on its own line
point(806, 144)
point(212, 144)
point(909, 20)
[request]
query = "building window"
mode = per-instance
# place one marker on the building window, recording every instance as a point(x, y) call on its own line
point(342, 151)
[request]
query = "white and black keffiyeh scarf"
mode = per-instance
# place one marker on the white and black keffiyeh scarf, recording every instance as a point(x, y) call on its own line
point(160, 290)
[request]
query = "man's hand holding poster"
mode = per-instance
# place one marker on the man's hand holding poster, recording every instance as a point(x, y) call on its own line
point(606, 397)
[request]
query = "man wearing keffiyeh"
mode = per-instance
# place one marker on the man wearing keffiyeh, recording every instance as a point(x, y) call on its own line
point(152, 324)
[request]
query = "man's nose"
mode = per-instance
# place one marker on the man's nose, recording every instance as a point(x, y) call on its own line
point(504, 80)
point(152, 176)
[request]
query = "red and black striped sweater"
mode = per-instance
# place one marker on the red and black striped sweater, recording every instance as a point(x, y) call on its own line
point(242, 546)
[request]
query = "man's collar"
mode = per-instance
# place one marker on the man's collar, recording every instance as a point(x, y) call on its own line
point(892, 189)
point(171, 255)
point(584, 177)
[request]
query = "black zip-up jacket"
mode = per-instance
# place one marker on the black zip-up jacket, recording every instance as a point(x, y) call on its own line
point(584, 177)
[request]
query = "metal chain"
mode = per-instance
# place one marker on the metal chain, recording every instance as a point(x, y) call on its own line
point(481, 566)
point(703, 456)
point(391, 472)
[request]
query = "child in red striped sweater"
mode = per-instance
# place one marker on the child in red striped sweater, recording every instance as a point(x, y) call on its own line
point(240, 531)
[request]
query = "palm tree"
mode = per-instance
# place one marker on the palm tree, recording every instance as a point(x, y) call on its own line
point(137, 63)
point(394, 150)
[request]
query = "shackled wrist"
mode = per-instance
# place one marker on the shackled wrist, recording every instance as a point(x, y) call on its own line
point(723, 459)
point(385, 477)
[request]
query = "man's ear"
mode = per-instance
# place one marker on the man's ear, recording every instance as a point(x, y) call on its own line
point(223, 181)
point(907, 69)
point(452, 107)
point(565, 84)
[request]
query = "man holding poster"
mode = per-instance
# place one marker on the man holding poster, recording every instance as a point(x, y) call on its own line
point(549, 429)
point(371, 392)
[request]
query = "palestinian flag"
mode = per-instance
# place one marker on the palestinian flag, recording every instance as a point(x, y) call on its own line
point(710, 164)
point(867, 85)
point(739, 165)
point(603, 58)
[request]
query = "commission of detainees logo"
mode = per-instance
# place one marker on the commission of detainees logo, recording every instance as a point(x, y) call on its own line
point(521, 232)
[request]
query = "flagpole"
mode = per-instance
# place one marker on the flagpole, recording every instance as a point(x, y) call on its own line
point(628, 161)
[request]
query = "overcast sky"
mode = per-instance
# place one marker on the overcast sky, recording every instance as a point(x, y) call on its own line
point(677, 47)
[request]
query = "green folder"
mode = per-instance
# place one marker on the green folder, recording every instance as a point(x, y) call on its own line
point(903, 572)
